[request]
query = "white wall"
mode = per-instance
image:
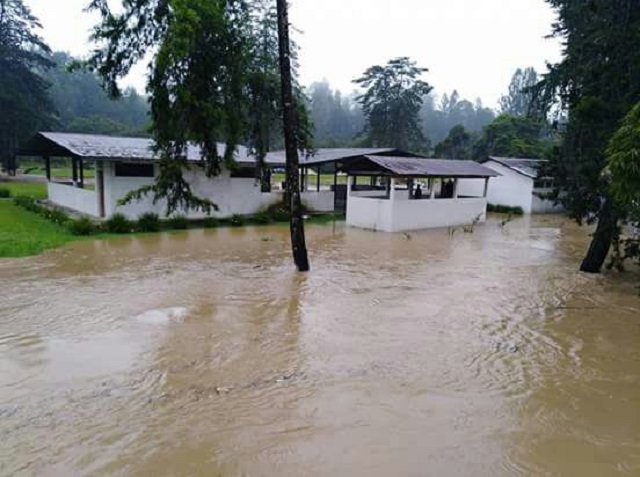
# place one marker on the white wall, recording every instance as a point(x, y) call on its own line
point(544, 206)
point(323, 201)
point(231, 195)
point(81, 200)
point(512, 189)
point(404, 215)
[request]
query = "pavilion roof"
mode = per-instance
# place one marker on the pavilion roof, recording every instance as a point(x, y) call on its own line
point(421, 167)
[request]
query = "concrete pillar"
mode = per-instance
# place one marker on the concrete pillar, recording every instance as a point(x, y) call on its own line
point(455, 188)
point(432, 187)
point(349, 182)
point(486, 188)
point(392, 189)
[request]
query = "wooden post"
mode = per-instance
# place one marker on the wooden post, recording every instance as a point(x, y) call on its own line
point(100, 188)
point(47, 167)
point(318, 179)
point(74, 169)
point(486, 188)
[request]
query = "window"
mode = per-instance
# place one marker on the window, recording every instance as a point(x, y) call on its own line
point(130, 169)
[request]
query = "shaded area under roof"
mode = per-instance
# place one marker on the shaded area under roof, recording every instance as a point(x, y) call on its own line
point(418, 167)
point(524, 166)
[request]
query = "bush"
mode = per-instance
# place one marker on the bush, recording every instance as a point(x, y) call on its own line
point(57, 216)
point(4, 193)
point(118, 224)
point(505, 209)
point(237, 220)
point(81, 226)
point(278, 212)
point(27, 203)
point(262, 218)
point(179, 222)
point(210, 223)
point(149, 222)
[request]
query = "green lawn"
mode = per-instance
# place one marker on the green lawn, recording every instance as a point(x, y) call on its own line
point(24, 233)
point(61, 172)
point(325, 179)
point(37, 190)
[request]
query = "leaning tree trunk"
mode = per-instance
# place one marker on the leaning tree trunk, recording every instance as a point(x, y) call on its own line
point(602, 239)
point(298, 244)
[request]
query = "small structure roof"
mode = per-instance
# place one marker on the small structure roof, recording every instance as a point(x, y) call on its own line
point(524, 166)
point(420, 167)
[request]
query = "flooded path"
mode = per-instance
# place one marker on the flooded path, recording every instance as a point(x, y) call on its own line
point(203, 353)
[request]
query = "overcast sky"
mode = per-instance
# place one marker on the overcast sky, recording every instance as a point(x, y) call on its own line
point(471, 45)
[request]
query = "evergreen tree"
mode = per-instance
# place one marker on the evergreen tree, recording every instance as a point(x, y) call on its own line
point(391, 104)
point(597, 83)
point(519, 100)
point(24, 103)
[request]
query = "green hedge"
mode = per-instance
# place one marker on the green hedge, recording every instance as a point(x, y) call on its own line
point(505, 209)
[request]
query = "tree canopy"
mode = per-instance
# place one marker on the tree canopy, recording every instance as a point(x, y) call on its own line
point(391, 104)
point(519, 101)
point(597, 83)
point(24, 102)
point(513, 136)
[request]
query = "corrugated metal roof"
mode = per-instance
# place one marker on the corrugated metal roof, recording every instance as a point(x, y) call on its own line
point(419, 167)
point(326, 155)
point(524, 166)
point(93, 146)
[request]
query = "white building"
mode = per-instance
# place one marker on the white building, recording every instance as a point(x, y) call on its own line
point(417, 193)
point(124, 164)
point(518, 185)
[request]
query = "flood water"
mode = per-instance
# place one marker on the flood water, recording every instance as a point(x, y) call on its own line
point(204, 353)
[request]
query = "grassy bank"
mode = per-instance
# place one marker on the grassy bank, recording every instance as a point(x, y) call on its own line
point(37, 190)
point(23, 233)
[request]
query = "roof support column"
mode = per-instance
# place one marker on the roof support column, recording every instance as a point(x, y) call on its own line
point(392, 189)
point(455, 188)
point(486, 188)
point(74, 171)
point(47, 167)
point(318, 179)
point(81, 173)
point(432, 188)
point(349, 182)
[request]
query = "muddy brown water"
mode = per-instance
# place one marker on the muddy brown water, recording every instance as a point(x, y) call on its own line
point(204, 353)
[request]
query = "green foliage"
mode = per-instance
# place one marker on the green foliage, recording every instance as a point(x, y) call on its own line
point(5, 193)
point(278, 212)
point(457, 145)
point(28, 203)
point(55, 215)
point(81, 226)
point(237, 220)
point(262, 218)
point(505, 209)
point(118, 224)
point(520, 99)
point(511, 136)
point(391, 104)
point(210, 223)
point(179, 222)
point(37, 190)
point(148, 222)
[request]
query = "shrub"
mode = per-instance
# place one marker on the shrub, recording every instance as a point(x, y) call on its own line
point(118, 224)
point(149, 222)
point(237, 220)
point(504, 209)
point(210, 223)
point(278, 212)
point(81, 226)
point(57, 216)
point(262, 218)
point(27, 203)
point(179, 222)
point(4, 193)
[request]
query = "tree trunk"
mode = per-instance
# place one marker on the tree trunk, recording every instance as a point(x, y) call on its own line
point(290, 118)
point(601, 242)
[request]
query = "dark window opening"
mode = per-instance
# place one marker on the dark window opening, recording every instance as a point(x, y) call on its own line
point(244, 173)
point(129, 169)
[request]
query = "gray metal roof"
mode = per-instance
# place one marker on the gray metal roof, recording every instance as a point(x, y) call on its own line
point(93, 146)
point(526, 167)
point(325, 155)
point(419, 167)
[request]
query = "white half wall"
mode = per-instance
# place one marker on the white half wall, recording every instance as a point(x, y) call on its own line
point(80, 200)
point(405, 215)
point(512, 189)
point(323, 201)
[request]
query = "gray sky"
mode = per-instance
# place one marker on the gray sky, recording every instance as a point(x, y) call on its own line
point(471, 45)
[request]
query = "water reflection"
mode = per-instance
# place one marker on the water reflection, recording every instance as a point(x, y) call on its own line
point(204, 353)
